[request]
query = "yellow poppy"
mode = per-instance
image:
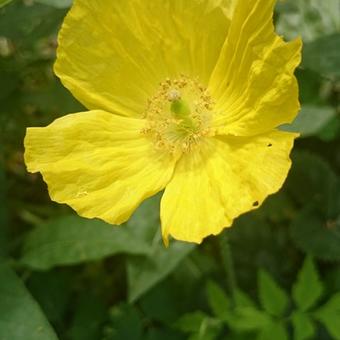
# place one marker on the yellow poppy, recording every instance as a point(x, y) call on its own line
point(183, 95)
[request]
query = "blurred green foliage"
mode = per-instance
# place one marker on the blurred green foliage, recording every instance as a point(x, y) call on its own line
point(64, 277)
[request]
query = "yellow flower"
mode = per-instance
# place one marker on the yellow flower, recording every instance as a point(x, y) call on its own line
point(183, 95)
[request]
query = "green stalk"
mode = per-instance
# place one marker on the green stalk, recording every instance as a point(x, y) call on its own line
point(228, 263)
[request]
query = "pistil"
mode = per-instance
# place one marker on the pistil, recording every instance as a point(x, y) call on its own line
point(178, 115)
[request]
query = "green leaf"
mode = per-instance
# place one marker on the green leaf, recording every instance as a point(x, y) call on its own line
point(315, 228)
point(255, 244)
point(145, 222)
point(243, 300)
point(311, 120)
point(303, 326)
point(329, 315)
point(311, 85)
point(37, 23)
point(71, 240)
point(163, 294)
point(164, 334)
point(218, 301)
point(201, 325)
point(308, 18)
point(272, 297)
point(4, 2)
point(308, 287)
point(125, 323)
point(3, 210)
point(317, 234)
point(318, 179)
point(52, 291)
point(275, 209)
point(249, 319)
point(56, 3)
point(145, 272)
point(90, 314)
point(274, 330)
point(20, 316)
point(323, 56)
point(191, 322)
point(331, 130)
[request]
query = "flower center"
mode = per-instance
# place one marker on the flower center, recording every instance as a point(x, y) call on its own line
point(178, 114)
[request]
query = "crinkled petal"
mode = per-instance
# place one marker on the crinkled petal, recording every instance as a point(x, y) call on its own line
point(228, 7)
point(253, 82)
point(98, 163)
point(112, 55)
point(191, 208)
point(226, 178)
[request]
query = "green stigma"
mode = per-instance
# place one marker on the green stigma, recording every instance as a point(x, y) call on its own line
point(180, 109)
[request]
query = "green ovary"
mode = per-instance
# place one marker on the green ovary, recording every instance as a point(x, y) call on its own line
point(181, 110)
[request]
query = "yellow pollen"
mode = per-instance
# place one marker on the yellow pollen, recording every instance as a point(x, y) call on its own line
point(174, 95)
point(178, 115)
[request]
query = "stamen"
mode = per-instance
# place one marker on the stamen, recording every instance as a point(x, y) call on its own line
point(174, 95)
point(178, 115)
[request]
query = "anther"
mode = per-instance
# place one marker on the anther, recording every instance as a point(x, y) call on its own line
point(174, 95)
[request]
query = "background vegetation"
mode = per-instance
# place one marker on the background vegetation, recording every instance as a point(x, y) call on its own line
point(64, 277)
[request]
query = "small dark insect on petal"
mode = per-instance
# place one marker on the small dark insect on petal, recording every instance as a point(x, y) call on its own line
point(269, 145)
point(255, 204)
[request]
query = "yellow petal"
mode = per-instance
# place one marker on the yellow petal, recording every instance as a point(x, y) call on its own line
point(191, 208)
point(112, 55)
point(228, 7)
point(98, 163)
point(253, 82)
point(226, 178)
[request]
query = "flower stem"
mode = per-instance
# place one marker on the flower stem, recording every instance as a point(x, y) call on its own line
point(228, 263)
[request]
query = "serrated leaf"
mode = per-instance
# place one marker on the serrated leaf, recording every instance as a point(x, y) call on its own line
point(308, 288)
point(303, 326)
point(20, 316)
point(272, 297)
point(200, 324)
point(311, 120)
point(274, 330)
point(329, 315)
point(191, 322)
point(249, 319)
point(71, 240)
point(218, 301)
point(243, 300)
